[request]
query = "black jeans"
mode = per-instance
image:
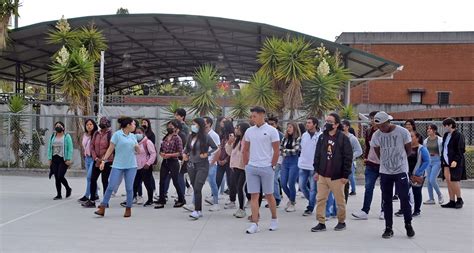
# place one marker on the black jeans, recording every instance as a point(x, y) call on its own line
point(170, 167)
point(225, 169)
point(402, 185)
point(59, 168)
point(105, 177)
point(198, 174)
point(239, 182)
point(417, 197)
point(145, 176)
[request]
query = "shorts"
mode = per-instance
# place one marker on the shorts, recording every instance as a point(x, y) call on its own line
point(259, 177)
point(457, 174)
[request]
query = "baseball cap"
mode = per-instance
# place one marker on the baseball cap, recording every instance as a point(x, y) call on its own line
point(382, 117)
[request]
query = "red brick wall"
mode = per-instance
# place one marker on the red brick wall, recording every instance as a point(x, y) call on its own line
point(433, 67)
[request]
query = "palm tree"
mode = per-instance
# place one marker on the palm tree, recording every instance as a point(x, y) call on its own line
point(7, 9)
point(16, 106)
point(172, 108)
point(240, 109)
point(262, 93)
point(348, 112)
point(204, 101)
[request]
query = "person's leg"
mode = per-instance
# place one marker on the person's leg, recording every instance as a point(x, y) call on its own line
point(418, 198)
point(231, 183)
point(337, 188)
point(62, 169)
point(276, 185)
point(303, 182)
point(433, 178)
point(352, 178)
point(211, 178)
point(200, 175)
point(285, 174)
point(312, 192)
point(88, 162)
point(57, 180)
point(147, 180)
point(386, 183)
point(322, 197)
point(429, 183)
point(136, 182)
point(331, 205)
point(129, 176)
point(95, 173)
point(292, 178)
point(447, 176)
point(346, 192)
point(403, 186)
point(192, 172)
point(114, 180)
point(174, 168)
point(370, 179)
point(266, 179)
point(240, 175)
point(164, 172)
point(106, 175)
point(457, 189)
point(181, 182)
point(220, 175)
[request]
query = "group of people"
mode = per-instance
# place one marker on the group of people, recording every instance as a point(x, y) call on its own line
point(259, 161)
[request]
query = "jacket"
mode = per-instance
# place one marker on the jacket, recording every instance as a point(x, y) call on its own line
point(68, 147)
point(342, 156)
point(423, 161)
point(147, 154)
point(440, 144)
point(456, 150)
point(308, 149)
point(294, 150)
point(236, 159)
point(99, 145)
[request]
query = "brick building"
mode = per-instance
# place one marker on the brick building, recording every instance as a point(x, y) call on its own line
point(437, 80)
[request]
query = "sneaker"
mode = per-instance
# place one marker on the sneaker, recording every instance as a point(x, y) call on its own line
point(450, 204)
point(307, 213)
point(416, 214)
point(273, 225)
point(399, 213)
point(340, 226)
point(139, 200)
point(429, 202)
point(57, 198)
point(215, 208)
point(395, 198)
point(290, 208)
point(459, 203)
point(178, 204)
point(135, 200)
point(68, 192)
point(189, 191)
point(209, 201)
point(360, 215)
point(319, 228)
point(113, 195)
point(410, 231)
point(195, 215)
point(148, 203)
point(288, 204)
point(83, 199)
point(88, 204)
point(230, 206)
point(227, 191)
point(352, 194)
point(123, 204)
point(240, 214)
point(382, 216)
point(388, 233)
point(189, 207)
point(440, 199)
point(328, 218)
point(252, 229)
point(156, 197)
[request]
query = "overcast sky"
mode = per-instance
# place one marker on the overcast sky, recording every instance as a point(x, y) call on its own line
point(325, 19)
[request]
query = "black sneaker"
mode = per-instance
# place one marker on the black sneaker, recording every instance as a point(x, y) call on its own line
point(410, 231)
point(88, 204)
point(148, 203)
point(459, 203)
point(178, 205)
point(352, 194)
point(395, 198)
point(450, 204)
point(416, 214)
point(68, 192)
point(123, 204)
point(320, 227)
point(388, 233)
point(340, 226)
point(58, 197)
point(307, 213)
point(83, 199)
point(160, 206)
point(399, 213)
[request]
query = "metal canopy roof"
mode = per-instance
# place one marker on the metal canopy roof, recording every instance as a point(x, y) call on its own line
point(169, 46)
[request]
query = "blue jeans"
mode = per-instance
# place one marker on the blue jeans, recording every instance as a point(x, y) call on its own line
point(89, 162)
point(276, 184)
point(433, 172)
point(331, 208)
point(352, 180)
point(371, 175)
point(308, 192)
point(211, 178)
point(115, 179)
point(289, 175)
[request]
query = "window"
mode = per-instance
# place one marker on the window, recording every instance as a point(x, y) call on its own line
point(443, 98)
point(416, 97)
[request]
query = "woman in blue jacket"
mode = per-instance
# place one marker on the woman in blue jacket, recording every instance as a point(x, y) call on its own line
point(60, 151)
point(417, 168)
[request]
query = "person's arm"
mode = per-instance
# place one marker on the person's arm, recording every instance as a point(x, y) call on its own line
point(377, 151)
point(50, 149)
point(216, 155)
point(276, 152)
point(408, 149)
point(108, 153)
point(152, 151)
point(245, 152)
point(357, 148)
point(347, 158)
point(69, 149)
point(367, 144)
point(425, 162)
point(296, 147)
point(93, 153)
point(407, 141)
point(374, 142)
point(317, 157)
point(460, 149)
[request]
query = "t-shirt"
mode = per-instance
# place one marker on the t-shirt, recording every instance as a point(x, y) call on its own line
point(432, 146)
point(217, 140)
point(124, 150)
point(261, 141)
point(393, 157)
point(445, 150)
point(58, 146)
point(330, 154)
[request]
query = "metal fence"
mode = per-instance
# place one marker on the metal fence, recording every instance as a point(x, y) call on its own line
point(29, 148)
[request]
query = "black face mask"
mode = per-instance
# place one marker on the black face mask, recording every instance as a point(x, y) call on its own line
point(59, 129)
point(170, 130)
point(145, 127)
point(328, 127)
point(102, 126)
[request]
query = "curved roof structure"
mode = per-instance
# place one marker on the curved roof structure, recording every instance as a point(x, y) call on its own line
point(168, 46)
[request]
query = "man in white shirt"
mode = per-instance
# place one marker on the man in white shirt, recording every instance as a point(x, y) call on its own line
point(309, 141)
point(211, 178)
point(260, 155)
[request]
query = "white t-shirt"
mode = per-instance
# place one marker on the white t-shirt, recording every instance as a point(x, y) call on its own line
point(445, 150)
point(217, 140)
point(393, 156)
point(261, 141)
point(308, 149)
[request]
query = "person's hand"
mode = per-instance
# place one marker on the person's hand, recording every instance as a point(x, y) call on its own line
point(316, 177)
point(185, 157)
point(454, 164)
point(146, 166)
point(344, 180)
point(222, 163)
point(203, 155)
point(68, 163)
point(162, 155)
point(49, 162)
point(102, 166)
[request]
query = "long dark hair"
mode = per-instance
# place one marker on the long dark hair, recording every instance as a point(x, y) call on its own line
point(201, 136)
point(125, 121)
point(93, 123)
point(149, 128)
point(227, 130)
point(434, 128)
point(412, 123)
point(243, 128)
point(218, 127)
point(418, 137)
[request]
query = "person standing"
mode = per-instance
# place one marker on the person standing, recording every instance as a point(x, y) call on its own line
point(125, 145)
point(145, 159)
point(290, 150)
point(180, 115)
point(99, 144)
point(332, 165)
point(223, 164)
point(90, 127)
point(60, 151)
point(372, 166)
point(434, 144)
point(418, 162)
point(260, 155)
point(356, 152)
point(306, 161)
point(453, 163)
point(212, 175)
point(392, 145)
point(196, 153)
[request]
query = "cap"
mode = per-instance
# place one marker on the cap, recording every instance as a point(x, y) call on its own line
point(382, 117)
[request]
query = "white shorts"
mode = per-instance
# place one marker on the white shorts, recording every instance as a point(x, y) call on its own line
point(259, 177)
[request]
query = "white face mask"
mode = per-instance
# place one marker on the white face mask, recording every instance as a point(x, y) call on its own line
point(139, 137)
point(194, 129)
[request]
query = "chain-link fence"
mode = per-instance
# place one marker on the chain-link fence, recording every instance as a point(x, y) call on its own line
point(24, 138)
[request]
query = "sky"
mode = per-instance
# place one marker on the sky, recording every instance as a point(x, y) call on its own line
point(324, 19)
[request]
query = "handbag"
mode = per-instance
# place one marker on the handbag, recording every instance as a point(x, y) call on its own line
point(417, 181)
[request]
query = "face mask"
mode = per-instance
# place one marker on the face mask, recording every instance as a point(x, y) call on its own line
point(170, 130)
point(328, 127)
point(139, 137)
point(59, 129)
point(145, 127)
point(194, 129)
point(102, 126)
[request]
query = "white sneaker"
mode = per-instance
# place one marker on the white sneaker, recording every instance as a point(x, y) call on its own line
point(290, 208)
point(189, 191)
point(231, 205)
point(328, 218)
point(240, 214)
point(288, 204)
point(360, 215)
point(252, 229)
point(139, 200)
point(189, 207)
point(273, 225)
point(134, 200)
point(195, 215)
point(381, 216)
point(429, 202)
point(440, 199)
point(215, 208)
point(209, 201)
point(113, 195)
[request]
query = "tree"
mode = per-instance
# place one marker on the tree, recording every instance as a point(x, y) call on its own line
point(240, 109)
point(16, 106)
point(348, 112)
point(7, 9)
point(204, 102)
point(262, 93)
point(122, 11)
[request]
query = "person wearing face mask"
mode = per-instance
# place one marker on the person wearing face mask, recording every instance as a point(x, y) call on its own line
point(171, 149)
point(146, 125)
point(60, 151)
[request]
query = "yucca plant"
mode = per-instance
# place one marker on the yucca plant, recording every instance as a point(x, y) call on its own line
point(16, 106)
point(7, 9)
point(204, 101)
point(321, 95)
point(262, 93)
point(241, 107)
point(172, 108)
point(348, 112)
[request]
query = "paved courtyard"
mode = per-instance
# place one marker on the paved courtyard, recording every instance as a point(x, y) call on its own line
point(30, 221)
